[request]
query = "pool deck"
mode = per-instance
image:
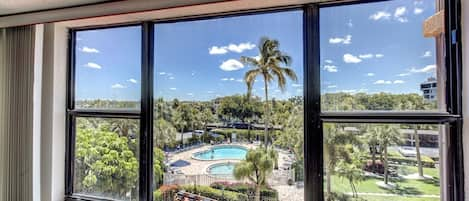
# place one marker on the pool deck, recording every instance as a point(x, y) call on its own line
point(278, 179)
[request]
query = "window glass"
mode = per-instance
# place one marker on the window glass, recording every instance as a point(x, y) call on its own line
point(398, 162)
point(108, 67)
point(211, 132)
point(374, 57)
point(106, 158)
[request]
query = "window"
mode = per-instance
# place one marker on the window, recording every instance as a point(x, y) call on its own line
point(383, 161)
point(209, 135)
point(363, 65)
point(108, 69)
point(106, 157)
point(180, 109)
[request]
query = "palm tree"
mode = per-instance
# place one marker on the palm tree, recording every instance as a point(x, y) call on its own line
point(371, 138)
point(269, 67)
point(336, 146)
point(256, 167)
point(388, 135)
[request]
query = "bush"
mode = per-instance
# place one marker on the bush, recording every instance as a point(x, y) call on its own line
point(399, 159)
point(213, 193)
point(165, 192)
point(245, 188)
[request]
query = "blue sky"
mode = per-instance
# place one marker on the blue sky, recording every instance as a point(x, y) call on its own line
point(364, 48)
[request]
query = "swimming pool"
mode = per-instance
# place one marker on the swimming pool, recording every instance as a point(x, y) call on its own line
point(222, 152)
point(225, 169)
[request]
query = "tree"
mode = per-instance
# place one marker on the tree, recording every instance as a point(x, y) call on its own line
point(351, 170)
point(182, 118)
point(371, 139)
point(256, 167)
point(387, 135)
point(104, 161)
point(336, 146)
point(163, 133)
point(269, 67)
point(158, 166)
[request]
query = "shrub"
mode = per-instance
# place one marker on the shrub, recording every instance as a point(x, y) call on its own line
point(215, 193)
point(245, 188)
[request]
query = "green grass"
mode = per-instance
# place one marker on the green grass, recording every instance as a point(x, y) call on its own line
point(404, 186)
point(381, 198)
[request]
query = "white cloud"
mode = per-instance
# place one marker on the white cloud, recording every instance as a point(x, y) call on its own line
point(379, 55)
point(399, 14)
point(162, 73)
point(296, 85)
point(345, 40)
point(349, 58)
point(380, 15)
point(190, 94)
point(400, 11)
point(427, 54)
point(89, 50)
point(239, 80)
point(117, 86)
point(349, 23)
point(328, 61)
point(332, 86)
point(93, 65)
point(173, 88)
point(238, 48)
point(241, 47)
point(171, 78)
point(330, 68)
point(210, 92)
point(231, 65)
point(382, 82)
point(426, 69)
point(217, 50)
point(370, 74)
point(225, 79)
point(366, 56)
point(403, 74)
point(399, 82)
point(417, 11)
point(132, 80)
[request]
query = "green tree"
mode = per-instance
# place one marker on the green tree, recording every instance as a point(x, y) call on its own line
point(336, 146)
point(104, 161)
point(256, 168)
point(163, 133)
point(371, 139)
point(269, 67)
point(182, 118)
point(388, 135)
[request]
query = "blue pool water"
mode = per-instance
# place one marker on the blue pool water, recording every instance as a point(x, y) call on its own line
point(221, 169)
point(222, 152)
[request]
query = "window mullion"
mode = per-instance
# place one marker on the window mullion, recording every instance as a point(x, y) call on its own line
point(146, 123)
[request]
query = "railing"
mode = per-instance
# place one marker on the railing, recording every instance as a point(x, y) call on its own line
point(202, 179)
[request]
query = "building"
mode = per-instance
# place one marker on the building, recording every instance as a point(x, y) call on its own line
point(429, 89)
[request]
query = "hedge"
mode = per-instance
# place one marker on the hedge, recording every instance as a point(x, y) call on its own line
point(245, 188)
point(213, 193)
point(244, 133)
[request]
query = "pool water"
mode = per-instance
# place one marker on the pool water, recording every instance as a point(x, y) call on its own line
point(222, 152)
point(222, 169)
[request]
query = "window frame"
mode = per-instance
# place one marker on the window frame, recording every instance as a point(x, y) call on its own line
point(313, 116)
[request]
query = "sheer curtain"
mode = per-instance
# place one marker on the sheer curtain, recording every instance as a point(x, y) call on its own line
point(16, 113)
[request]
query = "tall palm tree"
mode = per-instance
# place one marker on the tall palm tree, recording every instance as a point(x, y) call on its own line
point(256, 168)
point(272, 64)
point(388, 135)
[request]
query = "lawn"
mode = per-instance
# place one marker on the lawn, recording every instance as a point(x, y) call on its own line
point(404, 186)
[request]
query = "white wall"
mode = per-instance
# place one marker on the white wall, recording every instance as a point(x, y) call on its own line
point(53, 113)
point(465, 57)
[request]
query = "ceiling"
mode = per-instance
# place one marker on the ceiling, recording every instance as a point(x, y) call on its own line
point(8, 7)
